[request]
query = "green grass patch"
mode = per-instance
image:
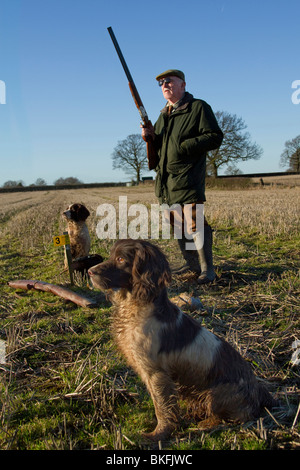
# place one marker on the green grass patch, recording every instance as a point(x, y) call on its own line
point(64, 385)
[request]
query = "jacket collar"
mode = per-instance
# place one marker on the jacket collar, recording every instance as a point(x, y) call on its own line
point(180, 105)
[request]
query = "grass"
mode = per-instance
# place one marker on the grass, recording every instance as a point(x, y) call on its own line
point(64, 385)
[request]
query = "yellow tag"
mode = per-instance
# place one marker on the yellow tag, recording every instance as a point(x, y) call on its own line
point(61, 240)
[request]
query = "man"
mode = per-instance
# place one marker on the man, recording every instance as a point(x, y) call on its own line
point(184, 132)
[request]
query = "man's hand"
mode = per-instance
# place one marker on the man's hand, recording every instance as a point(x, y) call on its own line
point(148, 132)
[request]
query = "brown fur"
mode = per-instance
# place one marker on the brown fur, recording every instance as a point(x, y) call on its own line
point(173, 353)
point(80, 242)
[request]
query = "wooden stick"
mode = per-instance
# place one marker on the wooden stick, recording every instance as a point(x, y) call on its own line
point(54, 289)
point(69, 259)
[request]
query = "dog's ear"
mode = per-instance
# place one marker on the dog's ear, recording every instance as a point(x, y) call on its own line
point(81, 211)
point(84, 212)
point(150, 272)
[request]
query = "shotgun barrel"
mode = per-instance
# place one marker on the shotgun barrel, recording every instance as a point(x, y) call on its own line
point(151, 151)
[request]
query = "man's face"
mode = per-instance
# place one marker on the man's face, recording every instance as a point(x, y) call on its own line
point(174, 89)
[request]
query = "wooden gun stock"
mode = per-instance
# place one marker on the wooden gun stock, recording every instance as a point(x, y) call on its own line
point(151, 153)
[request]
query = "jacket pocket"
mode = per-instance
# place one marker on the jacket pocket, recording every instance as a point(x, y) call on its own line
point(180, 177)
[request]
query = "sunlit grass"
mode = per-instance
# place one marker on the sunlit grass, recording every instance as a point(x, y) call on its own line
point(64, 385)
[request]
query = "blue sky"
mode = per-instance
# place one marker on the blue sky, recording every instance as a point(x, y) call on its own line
point(67, 101)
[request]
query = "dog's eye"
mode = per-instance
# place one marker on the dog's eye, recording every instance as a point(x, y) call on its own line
point(120, 260)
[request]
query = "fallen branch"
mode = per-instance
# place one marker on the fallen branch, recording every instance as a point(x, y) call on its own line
point(54, 289)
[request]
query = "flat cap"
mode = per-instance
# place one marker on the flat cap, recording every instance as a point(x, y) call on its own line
point(171, 72)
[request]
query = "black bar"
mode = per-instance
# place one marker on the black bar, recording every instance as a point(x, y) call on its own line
point(119, 52)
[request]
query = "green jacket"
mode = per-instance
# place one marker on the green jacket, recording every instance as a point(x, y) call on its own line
point(182, 140)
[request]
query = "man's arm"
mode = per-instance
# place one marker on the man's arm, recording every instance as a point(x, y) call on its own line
point(210, 135)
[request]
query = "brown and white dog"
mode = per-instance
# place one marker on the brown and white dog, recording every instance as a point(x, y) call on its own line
point(173, 354)
point(80, 242)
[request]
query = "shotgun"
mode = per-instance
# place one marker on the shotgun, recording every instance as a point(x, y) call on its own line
point(151, 151)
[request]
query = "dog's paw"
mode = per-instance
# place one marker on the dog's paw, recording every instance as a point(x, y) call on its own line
point(154, 436)
point(159, 434)
point(209, 423)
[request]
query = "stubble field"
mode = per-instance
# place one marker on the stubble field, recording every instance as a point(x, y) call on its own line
point(63, 384)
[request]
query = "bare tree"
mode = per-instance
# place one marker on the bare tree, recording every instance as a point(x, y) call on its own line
point(13, 184)
point(40, 182)
point(67, 181)
point(236, 145)
point(130, 155)
point(291, 155)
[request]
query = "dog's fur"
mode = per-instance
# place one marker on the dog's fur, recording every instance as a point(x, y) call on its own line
point(173, 353)
point(80, 242)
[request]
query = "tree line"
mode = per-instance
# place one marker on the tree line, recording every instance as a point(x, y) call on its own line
point(69, 181)
point(130, 154)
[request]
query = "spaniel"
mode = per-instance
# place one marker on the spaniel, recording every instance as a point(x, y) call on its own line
point(80, 242)
point(172, 353)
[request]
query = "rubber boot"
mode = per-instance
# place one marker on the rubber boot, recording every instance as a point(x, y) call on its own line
point(190, 256)
point(205, 256)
